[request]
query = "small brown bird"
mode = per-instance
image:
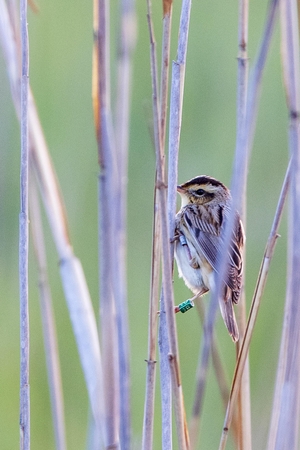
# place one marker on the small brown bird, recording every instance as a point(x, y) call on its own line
point(199, 229)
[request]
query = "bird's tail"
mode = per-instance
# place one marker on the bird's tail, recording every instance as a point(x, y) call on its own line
point(228, 315)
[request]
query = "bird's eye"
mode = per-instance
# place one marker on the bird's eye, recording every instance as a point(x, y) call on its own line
point(200, 192)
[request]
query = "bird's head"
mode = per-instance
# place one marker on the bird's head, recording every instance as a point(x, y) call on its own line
point(203, 189)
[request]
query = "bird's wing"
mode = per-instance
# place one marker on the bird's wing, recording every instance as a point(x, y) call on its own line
point(208, 240)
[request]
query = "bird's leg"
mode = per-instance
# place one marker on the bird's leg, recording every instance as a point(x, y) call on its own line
point(188, 304)
point(200, 293)
point(176, 237)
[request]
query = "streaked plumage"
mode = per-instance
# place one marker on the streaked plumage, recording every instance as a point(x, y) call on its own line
point(200, 224)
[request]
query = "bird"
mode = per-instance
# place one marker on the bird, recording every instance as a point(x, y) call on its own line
point(198, 239)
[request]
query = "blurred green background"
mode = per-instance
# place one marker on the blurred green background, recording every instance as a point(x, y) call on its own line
point(60, 74)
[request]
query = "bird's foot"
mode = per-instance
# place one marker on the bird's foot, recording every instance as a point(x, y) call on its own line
point(175, 238)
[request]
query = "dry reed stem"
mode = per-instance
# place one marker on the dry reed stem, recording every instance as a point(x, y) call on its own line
point(23, 237)
point(181, 427)
point(95, 74)
point(176, 101)
point(262, 278)
point(163, 334)
point(165, 67)
point(165, 379)
point(244, 405)
point(285, 420)
point(78, 299)
point(48, 321)
point(107, 231)
point(155, 268)
point(243, 148)
point(127, 39)
point(147, 441)
point(165, 384)
point(245, 438)
point(113, 159)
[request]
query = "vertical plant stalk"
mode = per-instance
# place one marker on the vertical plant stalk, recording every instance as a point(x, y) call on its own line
point(260, 285)
point(24, 238)
point(200, 385)
point(181, 427)
point(244, 405)
point(156, 254)
point(154, 287)
point(165, 66)
point(241, 113)
point(176, 102)
point(73, 279)
point(107, 232)
point(242, 154)
point(127, 38)
point(286, 403)
point(165, 379)
point(147, 440)
point(49, 330)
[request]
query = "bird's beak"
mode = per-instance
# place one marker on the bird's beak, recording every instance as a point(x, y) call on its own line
point(180, 190)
